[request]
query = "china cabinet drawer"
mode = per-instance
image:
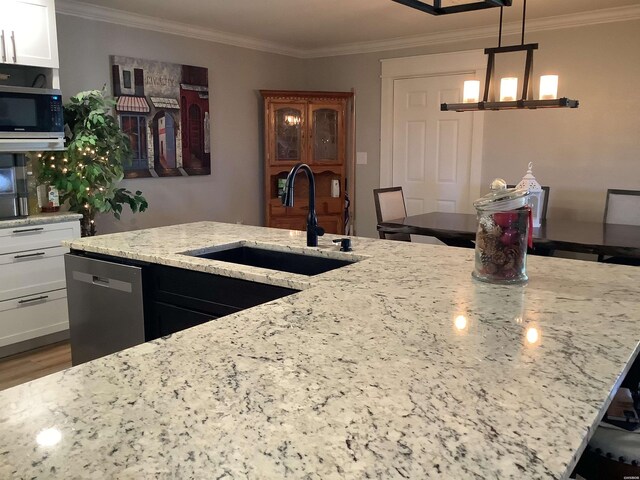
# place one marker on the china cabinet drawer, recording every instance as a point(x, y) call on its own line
point(324, 206)
point(31, 237)
point(33, 316)
point(31, 272)
point(330, 223)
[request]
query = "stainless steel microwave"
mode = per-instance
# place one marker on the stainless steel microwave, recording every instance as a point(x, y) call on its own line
point(31, 119)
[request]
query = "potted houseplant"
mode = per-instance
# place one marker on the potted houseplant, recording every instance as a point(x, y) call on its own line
point(87, 173)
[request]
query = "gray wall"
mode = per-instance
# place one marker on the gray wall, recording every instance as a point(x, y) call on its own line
point(579, 153)
point(233, 191)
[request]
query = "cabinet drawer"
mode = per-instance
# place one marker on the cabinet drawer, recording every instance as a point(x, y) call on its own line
point(30, 237)
point(280, 210)
point(200, 289)
point(170, 319)
point(31, 272)
point(330, 205)
point(324, 206)
point(330, 223)
point(33, 316)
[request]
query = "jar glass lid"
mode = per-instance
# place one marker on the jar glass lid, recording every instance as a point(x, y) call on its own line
point(502, 200)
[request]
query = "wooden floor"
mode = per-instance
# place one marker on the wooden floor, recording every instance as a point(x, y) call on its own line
point(34, 364)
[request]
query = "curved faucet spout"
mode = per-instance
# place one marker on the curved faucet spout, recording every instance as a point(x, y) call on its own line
point(313, 229)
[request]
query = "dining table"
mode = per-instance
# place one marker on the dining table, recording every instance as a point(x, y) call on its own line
point(459, 229)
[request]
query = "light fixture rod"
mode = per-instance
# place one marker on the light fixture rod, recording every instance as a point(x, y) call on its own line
point(500, 32)
point(524, 16)
point(527, 90)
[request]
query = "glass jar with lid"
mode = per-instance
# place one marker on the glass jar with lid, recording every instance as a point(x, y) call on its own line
point(503, 235)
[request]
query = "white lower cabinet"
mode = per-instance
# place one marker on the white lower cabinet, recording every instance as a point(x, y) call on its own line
point(30, 273)
point(34, 316)
point(33, 294)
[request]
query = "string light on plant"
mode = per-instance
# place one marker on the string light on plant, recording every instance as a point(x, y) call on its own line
point(86, 171)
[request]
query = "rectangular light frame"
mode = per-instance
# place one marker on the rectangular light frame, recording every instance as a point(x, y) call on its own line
point(517, 104)
point(436, 8)
point(526, 100)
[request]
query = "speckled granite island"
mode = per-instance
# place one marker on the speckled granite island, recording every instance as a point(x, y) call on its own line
point(398, 366)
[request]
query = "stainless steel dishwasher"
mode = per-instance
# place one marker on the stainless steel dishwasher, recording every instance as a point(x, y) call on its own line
point(106, 307)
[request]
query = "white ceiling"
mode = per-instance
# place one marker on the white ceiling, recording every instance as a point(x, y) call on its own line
point(311, 27)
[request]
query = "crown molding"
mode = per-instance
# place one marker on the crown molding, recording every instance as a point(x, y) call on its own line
point(134, 20)
point(594, 17)
point(104, 14)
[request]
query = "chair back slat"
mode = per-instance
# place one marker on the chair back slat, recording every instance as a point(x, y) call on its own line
point(622, 207)
point(390, 205)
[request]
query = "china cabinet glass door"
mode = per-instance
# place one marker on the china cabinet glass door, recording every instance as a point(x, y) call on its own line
point(326, 126)
point(288, 142)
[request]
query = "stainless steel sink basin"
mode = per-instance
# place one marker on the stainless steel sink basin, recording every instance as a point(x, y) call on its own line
point(275, 260)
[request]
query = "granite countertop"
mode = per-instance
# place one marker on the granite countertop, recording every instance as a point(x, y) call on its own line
point(398, 366)
point(40, 219)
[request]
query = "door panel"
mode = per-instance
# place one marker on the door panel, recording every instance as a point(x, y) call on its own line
point(326, 135)
point(34, 34)
point(431, 149)
point(287, 146)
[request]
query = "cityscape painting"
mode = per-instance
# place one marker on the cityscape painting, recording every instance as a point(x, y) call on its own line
point(164, 109)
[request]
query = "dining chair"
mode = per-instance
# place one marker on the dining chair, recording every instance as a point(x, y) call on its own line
point(390, 205)
point(545, 201)
point(622, 207)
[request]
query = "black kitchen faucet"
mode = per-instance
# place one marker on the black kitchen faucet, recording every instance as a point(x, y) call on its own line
point(313, 229)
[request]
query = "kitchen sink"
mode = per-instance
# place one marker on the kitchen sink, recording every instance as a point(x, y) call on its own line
point(275, 260)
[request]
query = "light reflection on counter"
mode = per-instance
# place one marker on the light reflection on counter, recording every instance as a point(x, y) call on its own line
point(461, 323)
point(49, 437)
point(532, 336)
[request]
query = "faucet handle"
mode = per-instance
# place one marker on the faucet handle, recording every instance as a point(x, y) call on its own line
point(345, 244)
point(319, 230)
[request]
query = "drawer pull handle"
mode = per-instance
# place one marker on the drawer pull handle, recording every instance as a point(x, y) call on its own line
point(26, 230)
point(29, 255)
point(4, 55)
point(41, 297)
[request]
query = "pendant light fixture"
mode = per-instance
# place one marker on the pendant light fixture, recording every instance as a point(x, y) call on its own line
point(436, 7)
point(548, 96)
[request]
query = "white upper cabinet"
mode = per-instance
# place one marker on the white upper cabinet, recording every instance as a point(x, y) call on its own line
point(28, 33)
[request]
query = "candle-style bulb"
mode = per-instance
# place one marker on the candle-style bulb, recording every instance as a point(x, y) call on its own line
point(548, 87)
point(508, 89)
point(471, 91)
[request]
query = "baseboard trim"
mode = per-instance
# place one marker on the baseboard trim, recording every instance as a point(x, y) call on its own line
point(32, 343)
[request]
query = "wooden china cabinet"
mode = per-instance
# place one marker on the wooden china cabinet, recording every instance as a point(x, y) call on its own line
point(306, 127)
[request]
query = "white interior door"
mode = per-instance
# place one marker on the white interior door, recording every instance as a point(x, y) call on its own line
point(432, 150)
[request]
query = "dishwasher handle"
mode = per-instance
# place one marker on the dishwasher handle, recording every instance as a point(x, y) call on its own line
point(103, 282)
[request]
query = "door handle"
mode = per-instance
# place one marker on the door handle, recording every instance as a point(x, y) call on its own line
point(4, 51)
point(29, 255)
point(28, 300)
point(103, 282)
point(26, 230)
point(13, 41)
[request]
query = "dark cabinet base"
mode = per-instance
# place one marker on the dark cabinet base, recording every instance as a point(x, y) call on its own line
point(186, 298)
point(169, 319)
point(172, 299)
